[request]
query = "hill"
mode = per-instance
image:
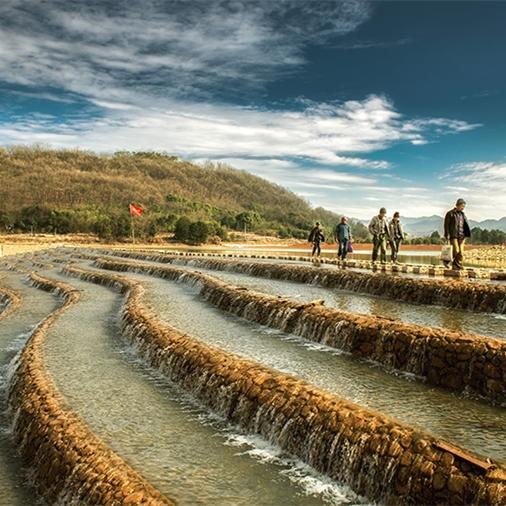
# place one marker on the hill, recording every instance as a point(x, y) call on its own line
point(78, 191)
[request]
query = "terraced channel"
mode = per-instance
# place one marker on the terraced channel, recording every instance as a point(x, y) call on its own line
point(148, 421)
point(14, 330)
point(490, 324)
point(483, 297)
point(196, 457)
point(416, 404)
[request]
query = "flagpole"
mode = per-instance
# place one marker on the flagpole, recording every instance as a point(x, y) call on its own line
point(132, 228)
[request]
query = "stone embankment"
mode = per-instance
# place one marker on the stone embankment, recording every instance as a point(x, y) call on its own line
point(450, 293)
point(69, 464)
point(9, 301)
point(452, 360)
point(495, 273)
point(377, 457)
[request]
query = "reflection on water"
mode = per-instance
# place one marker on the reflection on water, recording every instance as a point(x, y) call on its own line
point(474, 425)
point(185, 453)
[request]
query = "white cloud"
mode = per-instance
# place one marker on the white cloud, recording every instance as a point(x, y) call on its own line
point(326, 134)
point(483, 186)
point(155, 69)
point(132, 50)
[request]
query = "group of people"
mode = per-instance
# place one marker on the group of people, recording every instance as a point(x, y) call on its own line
point(383, 231)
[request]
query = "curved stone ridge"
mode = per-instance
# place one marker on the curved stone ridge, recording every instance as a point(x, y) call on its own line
point(376, 456)
point(450, 293)
point(449, 359)
point(70, 464)
point(9, 301)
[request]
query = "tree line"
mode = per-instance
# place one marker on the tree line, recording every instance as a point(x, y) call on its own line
point(478, 236)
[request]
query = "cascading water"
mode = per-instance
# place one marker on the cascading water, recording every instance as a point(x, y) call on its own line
point(319, 364)
point(14, 331)
point(455, 294)
point(152, 424)
point(429, 353)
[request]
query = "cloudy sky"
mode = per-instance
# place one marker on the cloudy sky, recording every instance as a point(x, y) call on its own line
point(353, 105)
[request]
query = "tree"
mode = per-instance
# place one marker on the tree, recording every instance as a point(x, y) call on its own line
point(103, 227)
point(435, 237)
point(228, 221)
point(476, 235)
point(182, 229)
point(247, 220)
point(36, 217)
point(359, 231)
point(198, 232)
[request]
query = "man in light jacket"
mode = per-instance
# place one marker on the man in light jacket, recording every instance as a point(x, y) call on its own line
point(457, 229)
point(378, 228)
point(396, 235)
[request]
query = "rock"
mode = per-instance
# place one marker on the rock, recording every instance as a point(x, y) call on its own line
point(457, 483)
point(439, 480)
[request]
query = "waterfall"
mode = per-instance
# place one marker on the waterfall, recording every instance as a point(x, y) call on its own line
point(9, 301)
point(376, 456)
point(442, 357)
point(68, 463)
point(451, 293)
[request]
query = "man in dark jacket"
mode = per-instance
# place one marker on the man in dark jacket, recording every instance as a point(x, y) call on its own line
point(316, 237)
point(396, 235)
point(456, 231)
point(343, 237)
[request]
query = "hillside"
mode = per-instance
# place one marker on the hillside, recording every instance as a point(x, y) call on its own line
point(78, 191)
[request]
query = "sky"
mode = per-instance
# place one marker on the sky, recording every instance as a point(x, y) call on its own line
point(353, 105)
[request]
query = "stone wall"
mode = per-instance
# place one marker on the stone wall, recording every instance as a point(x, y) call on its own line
point(460, 294)
point(448, 359)
point(377, 457)
point(9, 301)
point(69, 464)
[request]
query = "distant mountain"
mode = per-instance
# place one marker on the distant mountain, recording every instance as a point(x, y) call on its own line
point(494, 224)
point(425, 225)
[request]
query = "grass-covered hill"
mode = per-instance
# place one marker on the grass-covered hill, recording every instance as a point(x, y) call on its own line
point(78, 191)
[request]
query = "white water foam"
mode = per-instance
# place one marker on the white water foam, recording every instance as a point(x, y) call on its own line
point(312, 483)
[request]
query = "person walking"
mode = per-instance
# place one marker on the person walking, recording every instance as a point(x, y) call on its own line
point(396, 235)
point(457, 230)
point(343, 237)
point(316, 237)
point(378, 228)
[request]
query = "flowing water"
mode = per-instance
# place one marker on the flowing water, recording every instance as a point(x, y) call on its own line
point(14, 330)
point(472, 424)
point(175, 444)
point(489, 324)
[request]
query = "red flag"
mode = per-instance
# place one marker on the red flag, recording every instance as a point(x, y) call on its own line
point(135, 210)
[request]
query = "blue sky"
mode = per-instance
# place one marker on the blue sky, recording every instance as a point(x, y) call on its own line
point(353, 105)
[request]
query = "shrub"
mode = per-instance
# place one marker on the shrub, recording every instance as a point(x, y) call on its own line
point(198, 232)
point(182, 229)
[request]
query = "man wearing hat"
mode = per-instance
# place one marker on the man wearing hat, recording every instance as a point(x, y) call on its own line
point(457, 229)
point(378, 227)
